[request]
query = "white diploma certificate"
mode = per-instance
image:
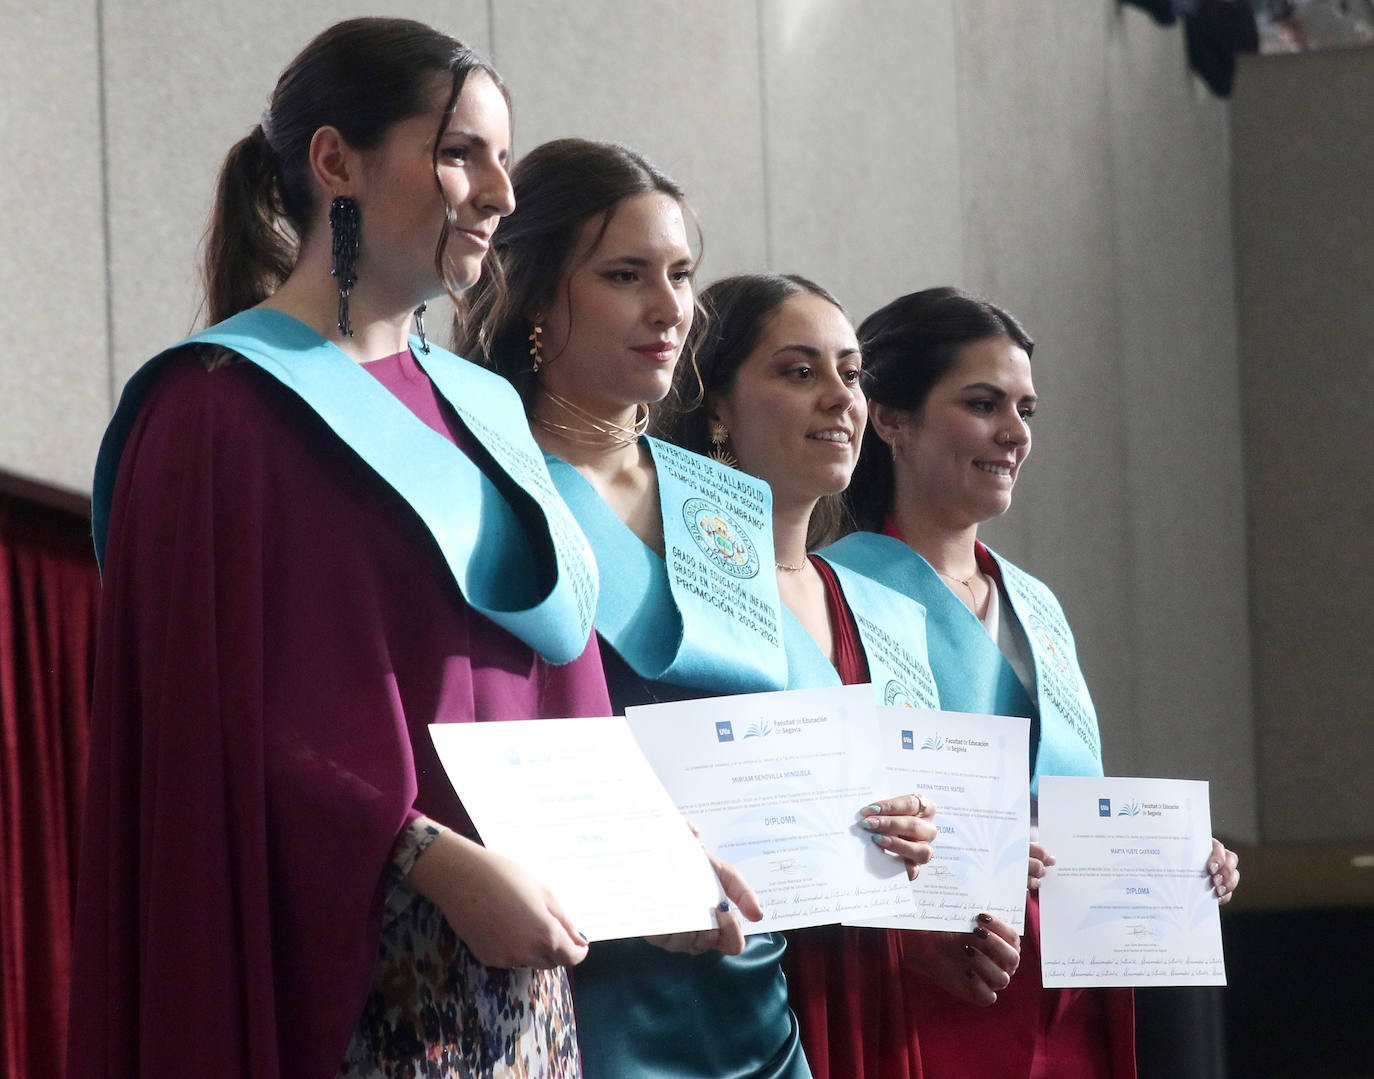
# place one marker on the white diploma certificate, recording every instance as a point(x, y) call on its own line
point(1129, 900)
point(774, 783)
point(974, 769)
point(574, 802)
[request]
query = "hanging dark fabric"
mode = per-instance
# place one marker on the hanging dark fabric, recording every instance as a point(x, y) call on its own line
point(49, 594)
point(1215, 31)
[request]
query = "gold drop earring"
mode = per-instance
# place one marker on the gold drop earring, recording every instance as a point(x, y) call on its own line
point(536, 347)
point(720, 435)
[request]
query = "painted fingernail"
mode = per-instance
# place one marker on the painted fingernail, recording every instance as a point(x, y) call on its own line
point(870, 810)
point(871, 823)
point(981, 933)
point(880, 840)
point(724, 906)
point(1217, 879)
point(986, 919)
point(969, 949)
point(581, 937)
point(1212, 867)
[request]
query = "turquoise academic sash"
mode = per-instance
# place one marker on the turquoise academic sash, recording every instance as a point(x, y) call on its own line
point(467, 514)
point(970, 670)
point(892, 632)
point(1071, 744)
point(707, 615)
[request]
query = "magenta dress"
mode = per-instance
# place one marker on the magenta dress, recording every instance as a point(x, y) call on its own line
point(277, 631)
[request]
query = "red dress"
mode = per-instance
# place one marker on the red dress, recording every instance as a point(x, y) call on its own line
point(846, 985)
point(1031, 1032)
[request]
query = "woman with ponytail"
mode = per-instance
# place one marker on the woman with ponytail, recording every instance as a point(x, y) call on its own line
point(320, 534)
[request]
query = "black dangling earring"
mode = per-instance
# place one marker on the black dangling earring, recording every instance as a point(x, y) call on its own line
point(420, 327)
point(343, 226)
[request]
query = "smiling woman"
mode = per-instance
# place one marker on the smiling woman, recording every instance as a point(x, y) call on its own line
point(781, 390)
point(951, 399)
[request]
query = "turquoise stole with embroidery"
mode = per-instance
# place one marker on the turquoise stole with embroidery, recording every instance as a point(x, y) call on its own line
point(706, 615)
point(892, 631)
point(970, 670)
point(466, 513)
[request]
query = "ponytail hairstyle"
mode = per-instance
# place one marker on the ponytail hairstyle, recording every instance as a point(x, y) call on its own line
point(360, 76)
point(560, 186)
point(738, 310)
point(908, 346)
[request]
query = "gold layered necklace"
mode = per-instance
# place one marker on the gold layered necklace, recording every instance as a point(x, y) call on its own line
point(588, 429)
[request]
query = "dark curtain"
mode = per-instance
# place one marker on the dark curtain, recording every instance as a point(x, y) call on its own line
point(49, 591)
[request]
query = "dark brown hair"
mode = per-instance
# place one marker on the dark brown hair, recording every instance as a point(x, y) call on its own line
point(738, 309)
point(360, 76)
point(559, 187)
point(908, 346)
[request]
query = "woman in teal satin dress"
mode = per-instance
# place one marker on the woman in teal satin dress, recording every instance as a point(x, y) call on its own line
point(599, 264)
point(600, 302)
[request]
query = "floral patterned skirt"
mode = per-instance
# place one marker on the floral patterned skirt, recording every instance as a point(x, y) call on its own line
point(434, 1012)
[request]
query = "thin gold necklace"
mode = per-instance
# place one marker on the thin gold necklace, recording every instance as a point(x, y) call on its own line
point(962, 580)
point(786, 568)
point(594, 431)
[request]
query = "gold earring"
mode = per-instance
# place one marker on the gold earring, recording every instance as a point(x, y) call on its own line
point(720, 434)
point(536, 347)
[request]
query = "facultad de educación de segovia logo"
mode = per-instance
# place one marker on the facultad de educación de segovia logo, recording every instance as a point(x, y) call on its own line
point(720, 537)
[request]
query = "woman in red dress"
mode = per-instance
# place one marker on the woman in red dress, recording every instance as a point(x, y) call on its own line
point(780, 392)
point(950, 402)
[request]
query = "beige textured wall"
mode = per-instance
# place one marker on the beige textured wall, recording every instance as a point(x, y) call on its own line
point(1304, 157)
point(1057, 157)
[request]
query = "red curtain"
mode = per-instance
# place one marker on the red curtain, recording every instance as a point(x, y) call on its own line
point(49, 592)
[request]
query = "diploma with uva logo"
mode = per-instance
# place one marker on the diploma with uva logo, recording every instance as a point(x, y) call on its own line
point(1129, 900)
point(973, 768)
point(576, 804)
point(774, 783)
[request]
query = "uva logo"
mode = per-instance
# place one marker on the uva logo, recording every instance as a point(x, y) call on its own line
point(724, 732)
point(1050, 645)
point(720, 537)
point(896, 695)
